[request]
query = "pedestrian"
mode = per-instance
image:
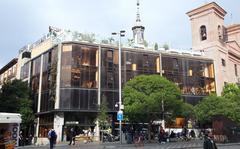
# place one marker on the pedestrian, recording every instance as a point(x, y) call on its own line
point(161, 136)
point(89, 135)
point(52, 136)
point(208, 141)
point(72, 136)
point(30, 139)
point(20, 138)
point(192, 134)
point(185, 133)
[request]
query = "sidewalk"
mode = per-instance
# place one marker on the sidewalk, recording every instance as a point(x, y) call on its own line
point(96, 145)
point(92, 145)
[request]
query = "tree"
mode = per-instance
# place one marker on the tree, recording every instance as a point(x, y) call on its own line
point(14, 98)
point(215, 105)
point(166, 46)
point(130, 42)
point(27, 114)
point(105, 41)
point(143, 96)
point(87, 37)
point(145, 43)
point(231, 91)
point(11, 95)
point(226, 105)
point(155, 46)
point(103, 115)
point(186, 110)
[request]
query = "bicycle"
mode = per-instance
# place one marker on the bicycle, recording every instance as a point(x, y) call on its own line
point(138, 141)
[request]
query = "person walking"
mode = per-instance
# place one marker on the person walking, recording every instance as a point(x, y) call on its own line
point(161, 136)
point(72, 136)
point(21, 139)
point(185, 133)
point(209, 142)
point(52, 136)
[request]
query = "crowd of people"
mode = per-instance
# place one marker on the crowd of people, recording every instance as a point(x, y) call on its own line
point(138, 137)
point(184, 135)
point(209, 142)
point(24, 140)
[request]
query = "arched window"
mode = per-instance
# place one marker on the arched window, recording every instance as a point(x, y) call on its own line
point(220, 32)
point(203, 32)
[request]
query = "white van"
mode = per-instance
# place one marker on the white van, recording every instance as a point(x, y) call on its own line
point(9, 128)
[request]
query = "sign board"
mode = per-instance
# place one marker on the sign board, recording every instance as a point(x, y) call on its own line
point(120, 115)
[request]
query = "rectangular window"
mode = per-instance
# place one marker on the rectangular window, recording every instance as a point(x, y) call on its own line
point(110, 54)
point(223, 62)
point(190, 72)
point(235, 67)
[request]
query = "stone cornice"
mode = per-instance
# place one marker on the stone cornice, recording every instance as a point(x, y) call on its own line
point(232, 28)
point(210, 6)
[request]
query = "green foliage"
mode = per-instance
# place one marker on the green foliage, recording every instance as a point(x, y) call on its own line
point(145, 43)
point(215, 105)
point(111, 40)
point(88, 37)
point(103, 115)
point(187, 110)
point(130, 42)
point(155, 46)
point(84, 37)
point(231, 91)
point(14, 98)
point(105, 41)
point(143, 97)
point(26, 112)
point(11, 95)
point(166, 46)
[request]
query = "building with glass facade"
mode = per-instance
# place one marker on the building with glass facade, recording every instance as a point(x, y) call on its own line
point(69, 76)
point(70, 79)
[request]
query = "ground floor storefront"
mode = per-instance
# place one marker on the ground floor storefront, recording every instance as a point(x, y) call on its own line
point(83, 124)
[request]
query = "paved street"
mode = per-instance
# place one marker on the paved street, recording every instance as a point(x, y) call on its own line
point(175, 145)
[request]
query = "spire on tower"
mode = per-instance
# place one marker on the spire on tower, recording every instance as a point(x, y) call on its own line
point(138, 30)
point(138, 14)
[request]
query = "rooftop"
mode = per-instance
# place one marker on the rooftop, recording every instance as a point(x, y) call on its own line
point(233, 27)
point(210, 6)
point(8, 65)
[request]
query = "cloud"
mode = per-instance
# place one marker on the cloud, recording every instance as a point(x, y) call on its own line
point(25, 21)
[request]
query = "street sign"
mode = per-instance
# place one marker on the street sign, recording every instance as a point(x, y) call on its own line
point(120, 115)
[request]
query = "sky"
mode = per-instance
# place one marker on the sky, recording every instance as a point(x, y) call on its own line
point(25, 21)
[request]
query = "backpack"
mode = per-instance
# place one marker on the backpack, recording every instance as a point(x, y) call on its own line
point(53, 134)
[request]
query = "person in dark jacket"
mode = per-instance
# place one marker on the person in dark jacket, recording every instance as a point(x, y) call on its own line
point(161, 136)
point(52, 136)
point(209, 142)
point(72, 136)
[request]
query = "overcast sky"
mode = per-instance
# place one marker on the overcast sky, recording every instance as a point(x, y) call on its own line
point(165, 21)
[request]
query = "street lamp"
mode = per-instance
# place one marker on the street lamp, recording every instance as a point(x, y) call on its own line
point(163, 122)
point(162, 104)
point(120, 34)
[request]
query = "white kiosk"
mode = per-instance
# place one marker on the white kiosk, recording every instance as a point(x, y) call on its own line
point(9, 128)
